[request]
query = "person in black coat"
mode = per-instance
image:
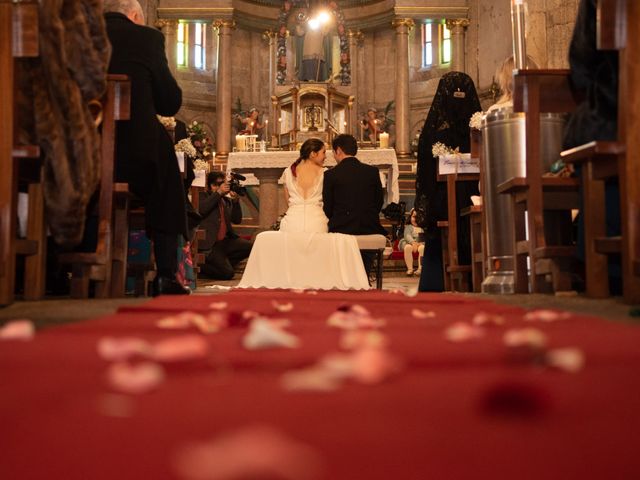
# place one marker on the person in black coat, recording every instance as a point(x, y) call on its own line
point(352, 194)
point(594, 77)
point(447, 122)
point(145, 157)
point(223, 248)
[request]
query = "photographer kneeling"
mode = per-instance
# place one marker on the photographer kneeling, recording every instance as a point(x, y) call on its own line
point(219, 207)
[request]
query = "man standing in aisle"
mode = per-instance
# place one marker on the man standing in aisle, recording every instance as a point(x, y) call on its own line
point(145, 154)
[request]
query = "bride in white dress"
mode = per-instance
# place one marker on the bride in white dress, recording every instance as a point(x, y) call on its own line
point(303, 254)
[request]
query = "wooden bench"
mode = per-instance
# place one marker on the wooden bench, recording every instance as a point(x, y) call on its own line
point(19, 39)
point(601, 161)
point(456, 275)
point(476, 226)
point(106, 266)
point(536, 92)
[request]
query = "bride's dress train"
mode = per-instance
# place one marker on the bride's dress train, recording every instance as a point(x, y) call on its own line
point(303, 254)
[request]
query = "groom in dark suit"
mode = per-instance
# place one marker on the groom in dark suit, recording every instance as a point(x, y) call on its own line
point(352, 194)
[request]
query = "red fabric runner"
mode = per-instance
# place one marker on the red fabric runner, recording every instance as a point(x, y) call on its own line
point(467, 410)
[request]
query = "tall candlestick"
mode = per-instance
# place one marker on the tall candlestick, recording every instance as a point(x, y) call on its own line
point(266, 130)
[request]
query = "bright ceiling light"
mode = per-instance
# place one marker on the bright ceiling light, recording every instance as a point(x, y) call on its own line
point(323, 17)
point(314, 24)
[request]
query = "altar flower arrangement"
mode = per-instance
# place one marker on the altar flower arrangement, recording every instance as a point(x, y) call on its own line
point(476, 120)
point(439, 149)
point(186, 147)
point(201, 141)
point(199, 164)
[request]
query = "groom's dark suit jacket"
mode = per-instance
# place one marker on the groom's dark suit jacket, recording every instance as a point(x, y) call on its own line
point(352, 196)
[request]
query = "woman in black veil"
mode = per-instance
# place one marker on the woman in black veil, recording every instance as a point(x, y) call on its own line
point(453, 105)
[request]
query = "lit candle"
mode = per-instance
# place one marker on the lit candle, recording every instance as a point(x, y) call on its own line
point(266, 129)
point(241, 143)
point(384, 140)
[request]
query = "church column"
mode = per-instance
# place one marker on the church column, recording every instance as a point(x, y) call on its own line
point(402, 26)
point(458, 27)
point(169, 28)
point(355, 39)
point(271, 37)
point(223, 92)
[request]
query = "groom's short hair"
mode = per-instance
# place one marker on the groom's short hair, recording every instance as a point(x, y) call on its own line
point(347, 144)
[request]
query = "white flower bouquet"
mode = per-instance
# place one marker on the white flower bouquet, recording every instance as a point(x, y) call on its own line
point(167, 122)
point(186, 147)
point(439, 149)
point(476, 120)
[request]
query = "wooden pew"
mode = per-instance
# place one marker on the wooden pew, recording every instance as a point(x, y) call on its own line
point(107, 265)
point(535, 92)
point(478, 262)
point(456, 275)
point(600, 161)
point(18, 39)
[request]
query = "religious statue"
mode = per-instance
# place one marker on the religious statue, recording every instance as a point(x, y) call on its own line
point(250, 124)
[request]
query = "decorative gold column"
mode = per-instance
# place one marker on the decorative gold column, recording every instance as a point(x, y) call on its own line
point(355, 40)
point(169, 28)
point(223, 82)
point(457, 27)
point(403, 26)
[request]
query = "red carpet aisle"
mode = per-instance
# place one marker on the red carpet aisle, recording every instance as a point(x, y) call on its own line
point(472, 409)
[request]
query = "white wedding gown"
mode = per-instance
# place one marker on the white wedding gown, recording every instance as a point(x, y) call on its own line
point(303, 254)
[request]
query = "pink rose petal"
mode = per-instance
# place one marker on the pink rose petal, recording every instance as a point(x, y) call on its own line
point(135, 379)
point(546, 315)
point(264, 335)
point(179, 349)
point(525, 337)
point(254, 452)
point(282, 307)
point(417, 313)
point(211, 323)
point(568, 359)
point(312, 379)
point(119, 349)
point(484, 318)
point(374, 365)
point(174, 322)
point(18, 330)
point(218, 305)
point(462, 332)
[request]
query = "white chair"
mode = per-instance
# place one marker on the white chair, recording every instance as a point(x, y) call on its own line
point(374, 243)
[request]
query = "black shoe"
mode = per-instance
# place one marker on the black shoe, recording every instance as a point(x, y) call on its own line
point(169, 286)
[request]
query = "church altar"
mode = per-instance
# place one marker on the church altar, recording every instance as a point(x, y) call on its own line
point(265, 169)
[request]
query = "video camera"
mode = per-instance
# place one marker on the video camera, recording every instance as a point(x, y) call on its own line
point(234, 184)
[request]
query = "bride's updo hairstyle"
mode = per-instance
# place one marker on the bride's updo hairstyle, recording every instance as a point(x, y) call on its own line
point(309, 146)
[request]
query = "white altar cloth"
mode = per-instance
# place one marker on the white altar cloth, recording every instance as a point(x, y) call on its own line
point(383, 158)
